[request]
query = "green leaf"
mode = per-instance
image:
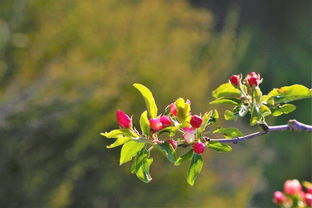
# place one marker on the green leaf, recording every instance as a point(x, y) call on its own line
point(195, 168)
point(229, 132)
point(255, 116)
point(119, 132)
point(168, 150)
point(119, 141)
point(284, 109)
point(214, 117)
point(232, 101)
point(171, 130)
point(206, 117)
point(229, 115)
point(148, 98)
point(226, 90)
point(141, 166)
point(129, 150)
point(220, 147)
point(183, 109)
point(184, 158)
point(144, 124)
point(289, 93)
point(264, 110)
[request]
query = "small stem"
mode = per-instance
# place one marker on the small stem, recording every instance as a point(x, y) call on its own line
point(292, 125)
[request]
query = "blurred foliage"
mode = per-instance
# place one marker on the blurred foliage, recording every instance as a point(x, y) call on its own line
point(65, 66)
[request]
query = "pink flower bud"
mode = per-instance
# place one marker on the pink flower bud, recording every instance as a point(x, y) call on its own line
point(278, 197)
point(173, 109)
point(199, 147)
point(196, 121)
point(292, 187)
point(155, 124)
point(309, 189)
point(234, 80)
point(308, 199)
point(173, 143)
point(124, 121)
point(165, 120)
point(253, 79)
point(189, 134)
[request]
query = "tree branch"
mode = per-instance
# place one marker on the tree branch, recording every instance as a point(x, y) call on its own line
point(292, 125)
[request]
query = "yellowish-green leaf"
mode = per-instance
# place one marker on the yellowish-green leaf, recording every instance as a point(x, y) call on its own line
point(284, 109)
point(195, 168)
point(289, 93)
point(168, 150)
point(119, 141)
point(129, 150)
point(229, 115)
point(183, 109)
point(141, 166)
point(119, 132)
point(226, 90)
point(144, 124)
point(255, 116)
point(229, 132)
point(148, 98)
point(264, 110)
point(184, 158)
point(171, 130)
point(206, 117)
point(220, 147)
point(231, 101)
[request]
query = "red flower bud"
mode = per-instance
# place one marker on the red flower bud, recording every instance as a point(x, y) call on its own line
point(292, 187)
point(309, 189)
point(124, 121)
point(278, 197)
point(308, 199)
point(165, 120)
point(199, 147)
point(196, 121)
point(173, 109)
point(173, 143)
point(253, 79)
point(234, 80)
point(155, 124)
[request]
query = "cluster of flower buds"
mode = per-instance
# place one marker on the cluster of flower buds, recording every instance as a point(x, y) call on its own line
point(293, 193)
point(252, 79)
point(159, 123)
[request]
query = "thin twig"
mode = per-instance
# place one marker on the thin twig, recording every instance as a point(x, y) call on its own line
point(292, 125)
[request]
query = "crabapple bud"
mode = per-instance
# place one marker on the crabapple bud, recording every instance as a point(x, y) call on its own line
point(292, 187)
point(124, 121)
point(196, 121)
point(253, 79)
point(308, 199)
point(199, 147)
point(165, 120)
point(278, 197)
point(155, 124)
point(234, 80)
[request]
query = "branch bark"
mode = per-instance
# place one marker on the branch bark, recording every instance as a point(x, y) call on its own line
point(292, 125)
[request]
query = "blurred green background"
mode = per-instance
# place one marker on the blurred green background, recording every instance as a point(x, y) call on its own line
point(67, 65)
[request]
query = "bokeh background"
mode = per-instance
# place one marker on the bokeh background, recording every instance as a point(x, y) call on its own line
point(67, 65)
